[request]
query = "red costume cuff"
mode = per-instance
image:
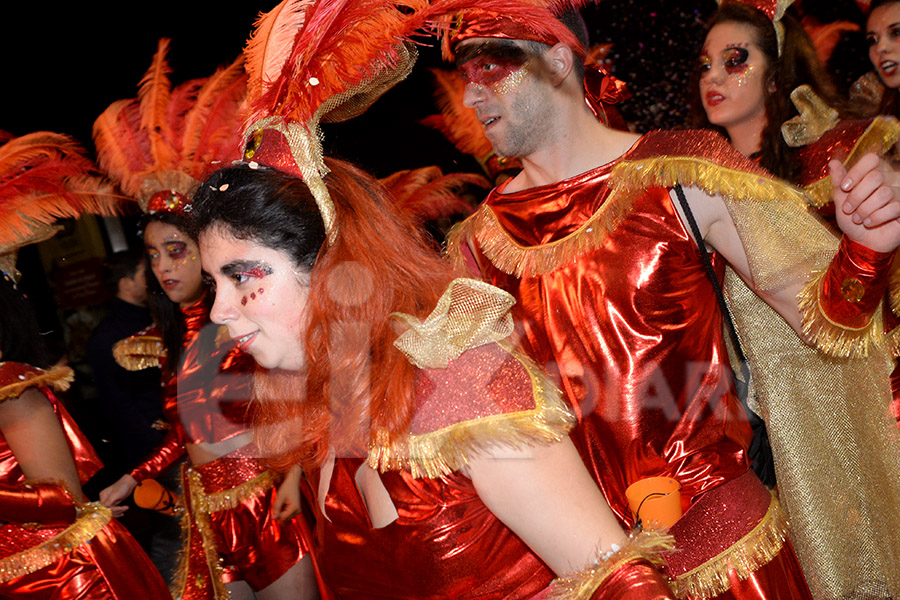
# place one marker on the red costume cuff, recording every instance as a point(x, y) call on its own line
point(854, 284)
point(45, 503)
point(839, 307)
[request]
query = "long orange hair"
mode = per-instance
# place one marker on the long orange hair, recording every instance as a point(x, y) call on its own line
point(355, 382)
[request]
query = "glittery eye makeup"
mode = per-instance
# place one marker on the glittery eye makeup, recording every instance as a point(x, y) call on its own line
point(492, 64)
point(241, 271)
point(735, 60)
point(176, 250)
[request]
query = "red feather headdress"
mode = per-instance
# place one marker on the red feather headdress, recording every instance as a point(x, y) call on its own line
point(427, 193)
point(314, 61)
point(160, 145)
point(44, 177)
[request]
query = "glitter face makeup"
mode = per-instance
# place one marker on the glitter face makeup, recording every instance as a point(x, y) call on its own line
point(266, 320)
point(732, 83)
point(174, 260)
point(498, 65)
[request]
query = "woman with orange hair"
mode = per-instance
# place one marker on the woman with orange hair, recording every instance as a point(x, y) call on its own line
point(437, 458)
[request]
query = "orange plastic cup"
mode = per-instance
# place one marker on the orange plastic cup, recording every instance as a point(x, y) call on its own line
point(152, 495)
point(655, 501)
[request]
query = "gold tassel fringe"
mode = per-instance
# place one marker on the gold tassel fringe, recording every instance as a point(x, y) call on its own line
point(139, 352)
point(751, 552)
point(648, 545)
point(228, 499)
point(58, 377)
point(442, 452)
point(830, 337)
point(94, 517)
point(629, 179)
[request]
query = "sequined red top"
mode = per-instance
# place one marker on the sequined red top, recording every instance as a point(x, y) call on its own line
point(629, 327)
point(207, 399)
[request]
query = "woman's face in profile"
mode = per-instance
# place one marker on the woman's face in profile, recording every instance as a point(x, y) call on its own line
point(260, 297)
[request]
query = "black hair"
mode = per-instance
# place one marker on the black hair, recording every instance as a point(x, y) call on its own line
point(20, 337)
point(166, 314)
point(121, 265)
point(276, 210)
point(573, 21)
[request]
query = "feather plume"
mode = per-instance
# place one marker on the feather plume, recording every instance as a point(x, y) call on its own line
point(270, 45)
point(45, 177)
point(211, 127)
point(154, 94)
point(167, 138)
point(427, 194)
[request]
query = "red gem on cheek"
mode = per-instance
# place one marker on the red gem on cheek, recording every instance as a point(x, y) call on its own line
point(244, 301)
point(260, 291)
point(252, 296)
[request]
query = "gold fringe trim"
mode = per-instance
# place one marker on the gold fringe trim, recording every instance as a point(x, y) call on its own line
point(531, 261)
point(892, 342)
point(648, 545)
point(632, 177)
point(58, 377)
point(750, 553)
point(228, 499)
point(879, 137)
point(894, 288)
point(139, 352)
point(94, 517)
point(629, 179)
point(833, 338)
point(199, 513)
point(446, 450)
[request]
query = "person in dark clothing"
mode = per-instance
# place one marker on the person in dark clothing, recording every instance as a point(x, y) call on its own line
point(131, 418)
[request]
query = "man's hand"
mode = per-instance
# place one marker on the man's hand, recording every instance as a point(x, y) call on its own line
point(867, 202)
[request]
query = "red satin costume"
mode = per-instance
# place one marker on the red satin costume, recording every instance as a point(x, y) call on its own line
point(89, 558)
point(445, 542)
point(629, 327)
point(231, 497)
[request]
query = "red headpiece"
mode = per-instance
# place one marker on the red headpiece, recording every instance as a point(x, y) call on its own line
point(160, 145)
point(774, 9)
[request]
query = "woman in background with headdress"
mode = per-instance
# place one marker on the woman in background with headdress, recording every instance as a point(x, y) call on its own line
point(828, 417)
point(55, 544)
point(231, 533)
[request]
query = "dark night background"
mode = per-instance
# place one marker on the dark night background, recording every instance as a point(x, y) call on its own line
point(64, 63)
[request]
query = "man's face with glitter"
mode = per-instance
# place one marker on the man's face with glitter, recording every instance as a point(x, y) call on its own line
point(503, 85)
point(732, 76)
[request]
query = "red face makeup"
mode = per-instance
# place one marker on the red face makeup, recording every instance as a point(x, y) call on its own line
point(491, 63)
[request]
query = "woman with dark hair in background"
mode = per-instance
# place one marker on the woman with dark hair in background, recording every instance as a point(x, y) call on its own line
point(55, 544)
point(234, 543)
point(835, 447)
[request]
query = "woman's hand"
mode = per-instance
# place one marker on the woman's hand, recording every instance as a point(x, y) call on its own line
point(113, 495)
point(287, 498)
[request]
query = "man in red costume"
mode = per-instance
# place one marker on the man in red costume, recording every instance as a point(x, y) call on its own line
point(614, 300)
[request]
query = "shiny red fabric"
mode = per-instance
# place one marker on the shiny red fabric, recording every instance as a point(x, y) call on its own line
point(865, 269)
point(111, 565)
point(45, 503)
point(207, 399)
point(635, 580)
point(632, 332)
point(445, 543)
point(253, 545)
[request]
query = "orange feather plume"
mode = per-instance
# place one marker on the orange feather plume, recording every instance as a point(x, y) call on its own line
point(169, 138)
point(457, 122)
point(427, 193)
point(44, 177)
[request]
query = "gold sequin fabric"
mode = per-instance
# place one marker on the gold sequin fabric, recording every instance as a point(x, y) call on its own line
point(836, 450)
